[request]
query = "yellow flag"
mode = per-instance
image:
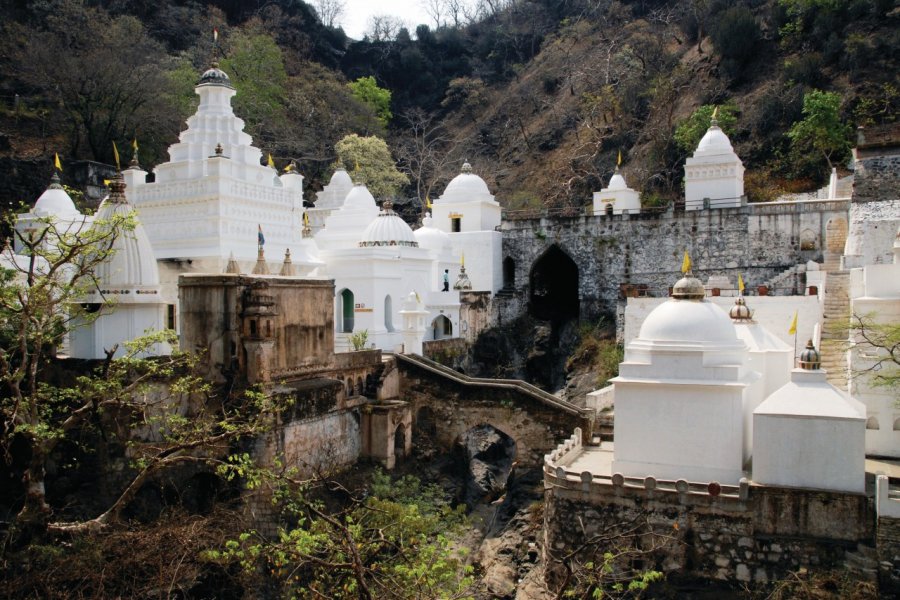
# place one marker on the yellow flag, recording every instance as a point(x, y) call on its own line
point(619, 160)
point(793, 329)
point(715, 114)
point(271, 162)
point(356, 168)
point(56, 162)
point(686, 263)
point(427, 202)
point(106, 182)
point(116, 155)
point(134, 144)
point(306, 219)
point(740, 283)
point(462, 259)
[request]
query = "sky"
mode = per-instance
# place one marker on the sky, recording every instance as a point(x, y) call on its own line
point(355, 19)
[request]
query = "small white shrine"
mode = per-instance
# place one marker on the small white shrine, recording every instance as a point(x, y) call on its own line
point(468, 213)
point(679, 396)
point(344, 225)
point(617, 198)
point(809, 434)
point(54, 208)
point(714, 175)
point(208, 201)
point(126, 301)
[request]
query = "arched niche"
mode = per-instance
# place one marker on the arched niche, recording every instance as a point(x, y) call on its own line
point(554, 287)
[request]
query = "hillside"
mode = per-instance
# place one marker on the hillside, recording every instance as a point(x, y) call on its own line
point(540, 96)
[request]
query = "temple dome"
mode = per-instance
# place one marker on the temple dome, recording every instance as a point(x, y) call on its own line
point(359, 197)
point(341, 178)
point(55, 202)
point(388, 230)
point(465, 186)
point(693, 321)
point(215, 76)
point(132, 263)
point(715, 142)
point(431, 237)
point(617, 182)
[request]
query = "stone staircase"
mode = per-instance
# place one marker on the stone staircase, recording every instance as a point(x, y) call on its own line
point(836, 328)
point(862, 563)
point(788, 282)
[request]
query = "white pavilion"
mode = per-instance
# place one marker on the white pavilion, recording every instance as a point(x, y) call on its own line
point(617, 198)
point(714, 175)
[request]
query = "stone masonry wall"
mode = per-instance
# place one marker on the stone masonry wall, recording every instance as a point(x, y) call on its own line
point(761, 539)
point(887, 544)
point(758, 241)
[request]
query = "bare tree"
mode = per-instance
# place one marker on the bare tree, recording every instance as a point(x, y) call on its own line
point(384, 28)
point(436, 10)
point(330, 11)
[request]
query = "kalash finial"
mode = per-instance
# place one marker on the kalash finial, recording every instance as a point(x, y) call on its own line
point(388, 206)
point(740, 311)
point(810, 359)
point(466, 168)
point(714, 121)
point(117, 190)
point(688, 287)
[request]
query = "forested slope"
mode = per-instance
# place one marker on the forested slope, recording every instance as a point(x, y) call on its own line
point(539, 95)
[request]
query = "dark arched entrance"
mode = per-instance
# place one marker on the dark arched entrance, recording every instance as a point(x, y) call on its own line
point(509, 273)
point(554, 287)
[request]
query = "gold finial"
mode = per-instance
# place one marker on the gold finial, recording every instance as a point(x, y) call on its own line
point(686, 264)
point(619, 160)
point(715, 116)
point(462, 259)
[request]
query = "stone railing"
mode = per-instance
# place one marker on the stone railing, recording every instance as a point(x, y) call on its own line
point(557, 475)
point(799, 206)
point(887, 501)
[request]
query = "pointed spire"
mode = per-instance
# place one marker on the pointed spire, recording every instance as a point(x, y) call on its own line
point(55, 182)
point(462, 281)
point(260, 268)
point(117, 190)
point(287, 267)
point(714, 121)
point(135, 163)
point(232, 266)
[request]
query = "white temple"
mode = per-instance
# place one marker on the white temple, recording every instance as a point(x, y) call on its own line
point(617, 198)
point(680, 393)
point(468, 213)
point(54, 208)
point(127, 297)
point(810, 434)
point(330, 199)
point(714, 175)
point(213, 195)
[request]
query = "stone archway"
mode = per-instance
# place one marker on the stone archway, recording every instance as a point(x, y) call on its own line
point(554, 287)
point(399, 442)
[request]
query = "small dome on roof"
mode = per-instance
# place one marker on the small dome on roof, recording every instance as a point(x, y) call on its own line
point(215, 76)
point(55, 202)
point(341, 178)
point(388, 230)
point(465, 186)
point(431, 237)
point(359, 197)
point(690, 321)
point(715, 142)
point(617, 181)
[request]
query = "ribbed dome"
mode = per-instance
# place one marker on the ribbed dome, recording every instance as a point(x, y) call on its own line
point(388, 230)
point(359, 197)
point(693, 321)
point(431, 237)
point(215, 76)
point(132, 264)
point(464, 186)
point(55, 202)
point(715, 142)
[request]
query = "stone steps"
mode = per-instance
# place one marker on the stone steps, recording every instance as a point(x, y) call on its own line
point(836, 326)
point(863, 562)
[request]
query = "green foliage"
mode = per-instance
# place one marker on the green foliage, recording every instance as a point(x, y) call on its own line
point(358, 339)
point(736, 35)
point(597, 351)
point(878, 346)
point(396, 540)
point(256, 67)
point(369, 161)
point(366, 90)
point(689, 132)
point(821, 130)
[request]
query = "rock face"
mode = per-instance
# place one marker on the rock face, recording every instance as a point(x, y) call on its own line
point(486, 455)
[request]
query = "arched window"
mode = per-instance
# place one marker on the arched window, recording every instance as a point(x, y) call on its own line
point(609, 209)
point(345, 311)
point(442, 328)
point(896, 424)
point(872, 423)
point(388, 313)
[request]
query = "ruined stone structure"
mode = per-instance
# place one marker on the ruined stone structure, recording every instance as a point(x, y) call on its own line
point(593, 257)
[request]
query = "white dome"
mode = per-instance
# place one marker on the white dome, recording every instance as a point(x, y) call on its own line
point(465, 186)
point(341, 178)
point(359, 197)
point(431, 237)
point(55, 202)
point(693, 321)
point(715, 142)
point(617, 182)
point(388, 230)
point(132, 263)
